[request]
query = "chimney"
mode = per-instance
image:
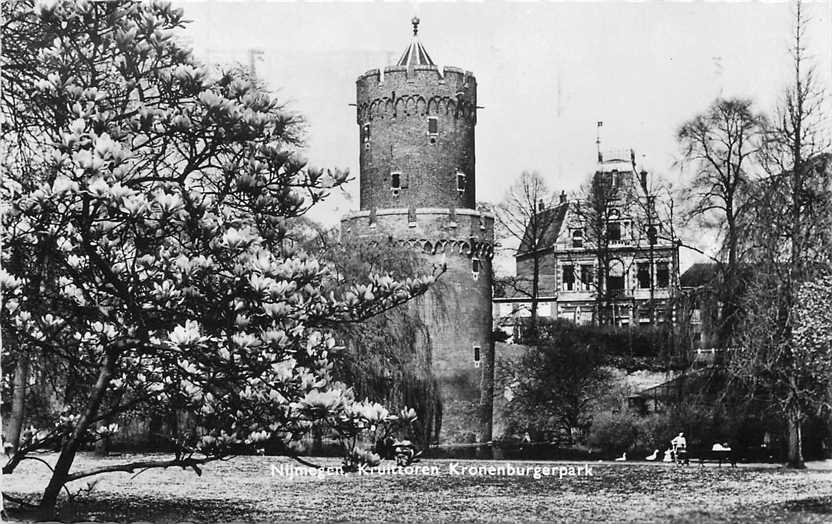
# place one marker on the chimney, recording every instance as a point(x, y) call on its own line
point(563, 197)
point(540, 205)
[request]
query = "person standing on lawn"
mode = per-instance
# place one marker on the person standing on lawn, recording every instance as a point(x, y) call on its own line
point(680, 448)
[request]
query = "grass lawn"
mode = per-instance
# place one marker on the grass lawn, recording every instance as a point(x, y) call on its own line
point(245, 489)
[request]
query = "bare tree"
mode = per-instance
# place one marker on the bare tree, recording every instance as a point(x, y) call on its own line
point(526, 217)
point(721, 144)
point(791, 238)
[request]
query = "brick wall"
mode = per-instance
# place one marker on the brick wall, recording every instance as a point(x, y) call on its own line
point(458, 307)
point(395, 108)
point(432, 208)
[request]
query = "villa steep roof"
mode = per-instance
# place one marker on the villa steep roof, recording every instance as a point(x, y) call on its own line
point(551, 219)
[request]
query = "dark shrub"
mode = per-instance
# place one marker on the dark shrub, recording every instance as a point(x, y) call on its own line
point(614, 433)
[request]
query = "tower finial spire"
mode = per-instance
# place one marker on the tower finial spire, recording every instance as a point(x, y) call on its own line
point(415, 54)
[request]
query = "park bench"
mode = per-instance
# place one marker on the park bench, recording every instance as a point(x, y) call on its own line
point(717, 453)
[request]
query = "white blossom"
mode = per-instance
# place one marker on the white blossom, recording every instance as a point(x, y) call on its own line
point(186, 335)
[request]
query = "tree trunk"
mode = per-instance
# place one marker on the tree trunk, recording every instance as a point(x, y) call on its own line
point(317, 440)
point(795, 440)
point(21, 377)
point(437, 428)
point(730, 288)
point(70, 447)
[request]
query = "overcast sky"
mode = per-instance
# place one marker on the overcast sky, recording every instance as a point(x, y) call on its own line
point(546, 72)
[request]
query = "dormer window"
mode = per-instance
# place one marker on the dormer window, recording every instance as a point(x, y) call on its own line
point(577, 238)
point(461, 182)
point(614, 231)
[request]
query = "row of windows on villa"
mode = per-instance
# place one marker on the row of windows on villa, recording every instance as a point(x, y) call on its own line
point(581, 278)
point(583, 313)
point(399, 181)
point(432, 132)
point(622, 315)
point(616, 232)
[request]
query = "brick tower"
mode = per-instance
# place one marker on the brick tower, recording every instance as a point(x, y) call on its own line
point(417, 178)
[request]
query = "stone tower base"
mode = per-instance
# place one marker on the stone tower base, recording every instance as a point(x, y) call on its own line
point(456, 310)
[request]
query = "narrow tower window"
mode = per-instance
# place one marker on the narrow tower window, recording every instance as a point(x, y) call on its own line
point(460, 182)
point(433, 125)
point(395, 183)
point(475, 267)
point(365, 135)
point(477, 356)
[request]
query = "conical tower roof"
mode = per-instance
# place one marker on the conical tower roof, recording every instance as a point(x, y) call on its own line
point(415, 54)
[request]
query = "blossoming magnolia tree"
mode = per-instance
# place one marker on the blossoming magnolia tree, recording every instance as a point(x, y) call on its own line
point(144, 203)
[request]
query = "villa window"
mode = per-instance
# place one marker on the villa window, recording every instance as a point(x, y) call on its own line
point(663, 275)
point(568, 313)
point(569, 278)
point(652, 235)
point(643, 275)
point(586, 277)
point(615, 276)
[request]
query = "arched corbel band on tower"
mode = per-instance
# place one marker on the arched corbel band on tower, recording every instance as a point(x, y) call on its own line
point(415, 105)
